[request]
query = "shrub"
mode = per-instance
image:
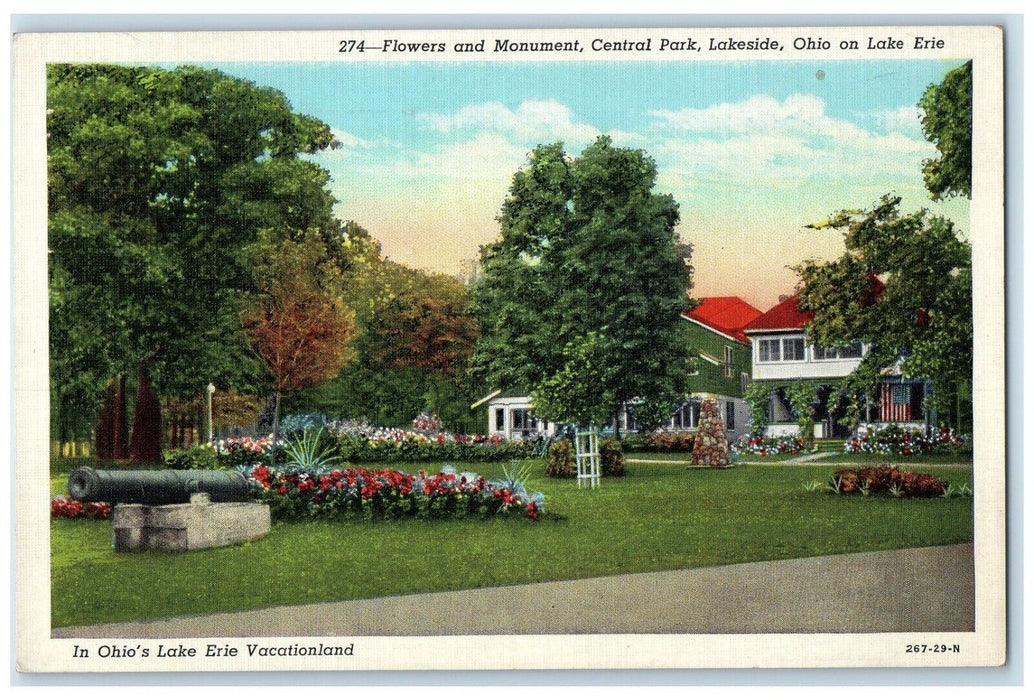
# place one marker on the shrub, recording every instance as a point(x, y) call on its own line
point(295, 423)
point(659, 441)
point(560, 460)
point(885, 478)
point(405, 446)
point(612, 460)
point(200, 457)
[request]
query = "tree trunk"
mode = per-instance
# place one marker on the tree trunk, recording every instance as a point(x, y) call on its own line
point(120, 421)
point(617, 425)
point(145, 442)
point(105, 422)
point(276, 422)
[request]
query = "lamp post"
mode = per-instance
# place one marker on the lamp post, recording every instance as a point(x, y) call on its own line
point(209, 390)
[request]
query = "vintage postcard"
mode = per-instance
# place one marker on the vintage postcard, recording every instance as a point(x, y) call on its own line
point(509, 349)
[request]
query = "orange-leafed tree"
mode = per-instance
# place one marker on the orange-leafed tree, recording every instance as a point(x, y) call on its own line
point(425, 325)
point(298, 324)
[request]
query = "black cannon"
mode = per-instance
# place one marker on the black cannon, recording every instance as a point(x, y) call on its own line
point(157, 487)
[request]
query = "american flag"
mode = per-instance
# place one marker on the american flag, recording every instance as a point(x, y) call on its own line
point(895, 405)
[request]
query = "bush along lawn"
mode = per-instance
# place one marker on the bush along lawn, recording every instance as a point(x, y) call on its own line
point(655, 518)
point(889, 480)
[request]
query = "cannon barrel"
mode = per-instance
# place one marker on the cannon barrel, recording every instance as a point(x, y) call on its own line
point(155, 487)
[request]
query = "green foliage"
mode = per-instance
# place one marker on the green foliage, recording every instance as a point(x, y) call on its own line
point(159, 181)
point(581, 390)
point(757, 398)
point(612, 458)
point(802, 398)
point(948, 124)
point(904, 287)
point(560, 460)
point(383, 396)
point(200, 457)
point(590, 236)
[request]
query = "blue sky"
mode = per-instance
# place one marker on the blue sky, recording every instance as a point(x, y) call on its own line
point(752, 151)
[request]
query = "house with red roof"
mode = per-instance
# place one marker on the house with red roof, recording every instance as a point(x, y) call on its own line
point(782, 354)
point(722, 354)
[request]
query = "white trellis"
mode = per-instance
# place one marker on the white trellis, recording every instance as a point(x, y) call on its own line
point(587, 457)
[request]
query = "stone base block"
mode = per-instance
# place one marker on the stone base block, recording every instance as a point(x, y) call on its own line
point(183, 526)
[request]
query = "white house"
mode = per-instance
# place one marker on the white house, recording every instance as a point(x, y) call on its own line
point(782, 354)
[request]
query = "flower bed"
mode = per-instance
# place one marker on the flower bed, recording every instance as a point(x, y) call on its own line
point(767, 446)
point(341, 494)
point(355, 441)
point(894, 440)
point(244, 451)
point(67, 508)
point(888, 479)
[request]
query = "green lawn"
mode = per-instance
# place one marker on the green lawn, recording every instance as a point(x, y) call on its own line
point(658, 517)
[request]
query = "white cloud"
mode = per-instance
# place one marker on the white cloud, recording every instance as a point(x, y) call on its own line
point(542, 121)
point(759, 113)
point(486, 156)
point(904, 120)
point(349, 141)
point(764, 141)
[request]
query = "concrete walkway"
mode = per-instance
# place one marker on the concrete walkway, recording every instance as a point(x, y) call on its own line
point(920, 590)
point(810, 457)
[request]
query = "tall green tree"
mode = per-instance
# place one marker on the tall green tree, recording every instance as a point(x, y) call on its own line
point(580, 299)
point(903, 286)
point(947, 117)
point(159, 181)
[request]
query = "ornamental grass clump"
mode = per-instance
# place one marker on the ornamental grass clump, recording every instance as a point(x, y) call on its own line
point(348, 494)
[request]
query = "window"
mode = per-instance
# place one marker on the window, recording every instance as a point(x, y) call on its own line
point(521, 420)
point(730, 415)
point(768, 350)
point(793, 349)
point(500, 419)
point(744, 381)
point(854, 350)
point(687, 416)
point(728, 361)
point(851, 351)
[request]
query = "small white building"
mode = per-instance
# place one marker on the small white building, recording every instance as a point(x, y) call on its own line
point(512, 417)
